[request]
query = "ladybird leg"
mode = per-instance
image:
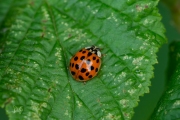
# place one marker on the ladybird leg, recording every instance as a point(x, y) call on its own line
point(84, 83)
point(103, 55)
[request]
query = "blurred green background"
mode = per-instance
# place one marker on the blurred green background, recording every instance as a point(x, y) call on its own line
point(148, 101)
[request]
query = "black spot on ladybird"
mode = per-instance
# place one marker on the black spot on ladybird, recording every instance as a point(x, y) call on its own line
point(77, 66)
point(84, 52)
point(90, 76)
point(73, 73)
point(97, 61)
point(76, 58)
point(80, 50)
point(89, 53)
point(94, 58)
point(83, 70)
point(80, 77)
point(92, 68)
point(87, 73)
point(82, 58)
point(72, 64)
point(96, 69)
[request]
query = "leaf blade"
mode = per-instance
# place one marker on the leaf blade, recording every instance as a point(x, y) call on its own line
point(54, 34)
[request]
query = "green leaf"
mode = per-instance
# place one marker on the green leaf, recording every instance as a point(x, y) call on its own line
point(35, 82)
point(8, 13)
point(169, 105)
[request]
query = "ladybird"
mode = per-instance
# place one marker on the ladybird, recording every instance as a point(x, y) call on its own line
point(85, 64)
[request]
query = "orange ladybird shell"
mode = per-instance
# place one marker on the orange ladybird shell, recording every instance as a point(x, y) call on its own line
point(85, 64)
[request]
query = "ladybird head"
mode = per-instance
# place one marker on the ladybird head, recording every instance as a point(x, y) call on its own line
point(94, 49)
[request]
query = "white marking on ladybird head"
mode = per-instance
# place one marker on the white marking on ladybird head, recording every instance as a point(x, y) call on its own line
point(94, 49)
point(99, 53)
point(88, 47)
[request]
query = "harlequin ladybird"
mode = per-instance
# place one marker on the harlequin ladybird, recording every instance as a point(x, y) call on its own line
point(85, 64)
